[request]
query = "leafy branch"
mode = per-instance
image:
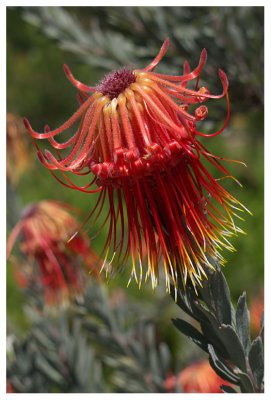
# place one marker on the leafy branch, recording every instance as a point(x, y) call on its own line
point(54, 357)
point(223, 332)
point(128, 345)
point(93, 346)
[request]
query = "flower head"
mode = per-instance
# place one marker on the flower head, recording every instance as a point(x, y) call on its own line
point(199, 377)
point(138, 136)
point(45, 229)
point(18, 157)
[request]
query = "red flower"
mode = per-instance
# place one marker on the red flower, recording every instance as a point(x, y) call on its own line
point(45, 229)
point(256, 310)
point(197, 378)
point(138, 137)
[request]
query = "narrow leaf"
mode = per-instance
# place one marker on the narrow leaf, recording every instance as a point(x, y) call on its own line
point(233, 346)
point(210, 329)
point(228, 389)
point(256, 360)
point(180, 300)
point(211, 334)
point(43, 366)
point(191, 332)
point(164, 355)
point(221, 298)
point(242, 322)
point(245, 383)
point(220, 368)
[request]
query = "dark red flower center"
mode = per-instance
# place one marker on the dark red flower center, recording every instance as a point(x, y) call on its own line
point(116, 82)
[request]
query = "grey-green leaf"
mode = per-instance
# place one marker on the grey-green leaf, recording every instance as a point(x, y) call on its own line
point(245, 383)
point(191, 332)
point(164, 355)
point(48, 370)
point(256, 360)
point(242, 322)
point(228, 389)
point(220, 368)
point(233, 346)
point(220, 298)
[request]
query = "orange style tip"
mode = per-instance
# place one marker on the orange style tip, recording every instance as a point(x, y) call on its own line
point(72, 237)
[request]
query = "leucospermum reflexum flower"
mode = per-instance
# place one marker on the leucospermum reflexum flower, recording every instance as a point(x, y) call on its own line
point(138, 137)
point(44, 231)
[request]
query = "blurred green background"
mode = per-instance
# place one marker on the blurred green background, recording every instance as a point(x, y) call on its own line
point(93, 40)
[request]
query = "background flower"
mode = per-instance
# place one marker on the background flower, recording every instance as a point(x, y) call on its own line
point(198, 377)
point(256, 311)
point(19, 151)
point(45, 230)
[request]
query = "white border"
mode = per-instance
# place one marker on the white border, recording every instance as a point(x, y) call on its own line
point(267, 5)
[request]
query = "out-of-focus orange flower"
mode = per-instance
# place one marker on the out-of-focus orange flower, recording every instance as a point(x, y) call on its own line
point(19, 153)
point(138, 136)
point(45, 229)
point(199, 377)
point(10, 388)
point(256, 310)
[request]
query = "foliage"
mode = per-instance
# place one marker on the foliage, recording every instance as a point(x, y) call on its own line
point(102, 343)
point(93, 346)
point(117, 36)
point(127, 342)
point(54, 357)
point(224, 332)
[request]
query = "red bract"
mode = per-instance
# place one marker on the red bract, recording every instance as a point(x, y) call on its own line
point(138, 136)
point(45, 229)
point(199, 377)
